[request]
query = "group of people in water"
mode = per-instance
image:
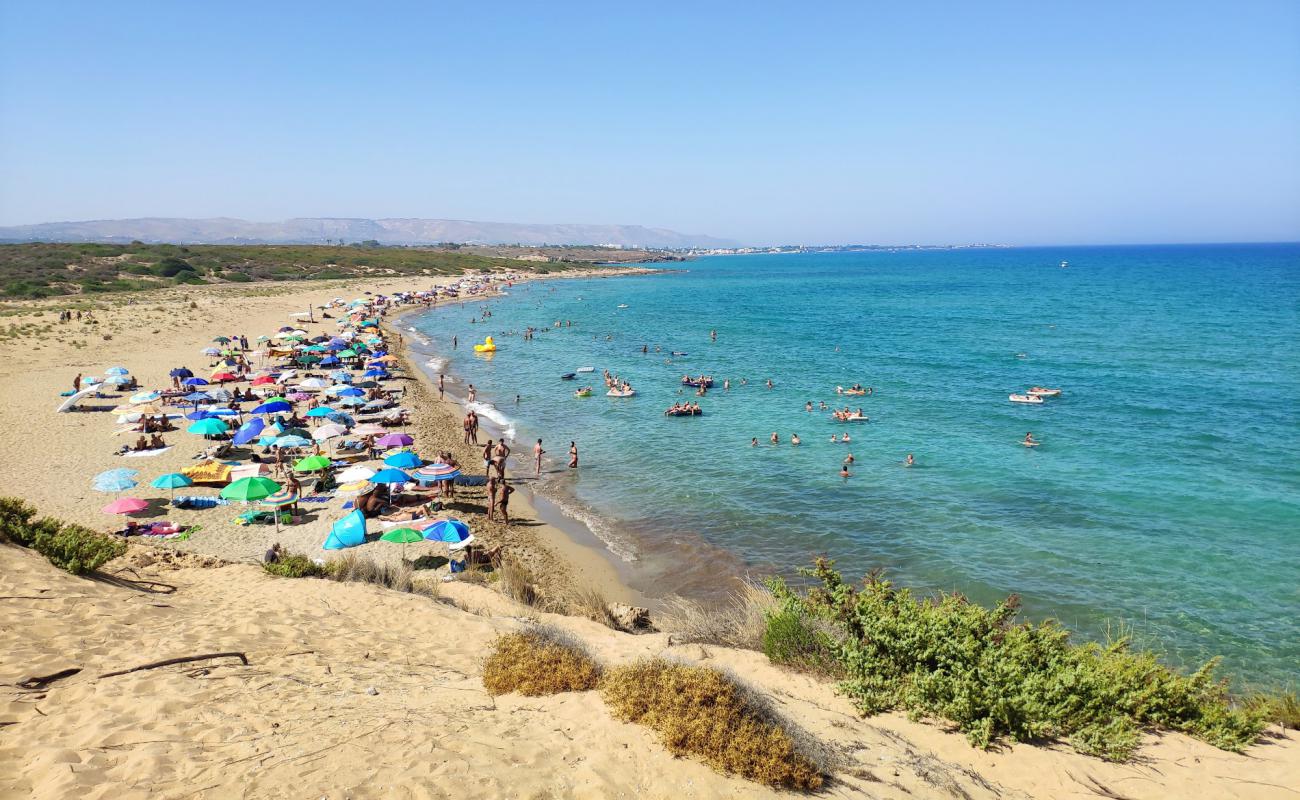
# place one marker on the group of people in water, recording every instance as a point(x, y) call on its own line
point(684, 410)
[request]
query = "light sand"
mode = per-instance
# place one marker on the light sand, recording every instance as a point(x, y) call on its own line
point(299, 721)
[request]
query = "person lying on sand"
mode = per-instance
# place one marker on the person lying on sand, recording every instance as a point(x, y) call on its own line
point(410, 514)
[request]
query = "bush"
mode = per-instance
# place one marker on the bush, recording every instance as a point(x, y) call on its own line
point(237, 277)
point(1279, 708)
point(171, 266)
point(295, 566)
point(700, 712)
point(739, 621)
point(15, 518)
point(976, 667)
point(76, 549)
point(795, 639)
point(518, 583)
point(538, 662)
point(357, 569)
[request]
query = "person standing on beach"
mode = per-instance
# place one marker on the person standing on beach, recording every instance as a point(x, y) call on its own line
point(441, 385)
point(537, 456)
point(472, 393)
point(503, 501)
point(473, 427)
point(492, 488)
point(466, 425)
point(76, 383)
point(487, 456)
point(573, 455)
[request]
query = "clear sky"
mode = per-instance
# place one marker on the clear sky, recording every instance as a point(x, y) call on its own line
point(1024, 123)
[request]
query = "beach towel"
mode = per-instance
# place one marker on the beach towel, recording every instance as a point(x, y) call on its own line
point(147, 453)
point(320, 498)
point(208, 472)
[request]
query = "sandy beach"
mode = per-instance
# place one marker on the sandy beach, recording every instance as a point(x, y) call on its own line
point(357, 691)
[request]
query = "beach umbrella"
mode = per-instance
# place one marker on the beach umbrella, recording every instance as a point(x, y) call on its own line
point(170, 482)
point(341, 375)
point(223, 412)
point(145, 397)
point(394, 440)
point(223, 377)
point(180, 372)
point(404, 460)
point(263, 380)
point(312, 464)
point(328, 432)
point(356, 473)
point(348, 353)
point(222, 340)
point(197, 397)
point(347, 491)
point(210, 351)
point(116, 480)
point(451, 531)
point(390, 476)
point(117, 380)
point(117, 371)
point(404, 536)
point(125, 505)
point(209, 427)
point(351, 401)
point(198, 415)
point(250, 489)
point(351, 391)
point(320, 411)
point(249, 431)
point(369, 429)
point(273, 407)
point(374, 373)
point(376, 405)
point(193, 381)
point(291, 441)
point(436, 472)
point(313, 383)
point(340, 418)
point(303, 432)
point(220, 394)
point(329, 361)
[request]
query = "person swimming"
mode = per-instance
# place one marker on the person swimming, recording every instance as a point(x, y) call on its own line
point(1030, 441)
point(910, 462)
point(844, 471)
point(775, 438)
point(794, 439)
point(753, 442)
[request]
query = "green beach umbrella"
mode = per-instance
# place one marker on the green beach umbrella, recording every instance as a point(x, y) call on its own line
point(250, 489)
point(312, 464)
point(403, 536)
point(209, 427)
point(349, 353)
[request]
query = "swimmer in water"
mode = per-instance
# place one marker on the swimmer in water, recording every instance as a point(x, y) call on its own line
point(726, 384)
point(794, 439)
point(910, 462)
point(849, 459)
point(775, 438)
point(769, 383)
point(823, 405)
point(834, 439)
point(845, 439)
point(844, 471)
point(807, 406)
point(1030, 441)
point(753, 442)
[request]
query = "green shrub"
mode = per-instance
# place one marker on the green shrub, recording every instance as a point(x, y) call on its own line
point(74, 548)
point(795, 639)
point(237, 277)
point(978, 668)
point(15, 518)
point(1278, 708)
point(295, 566)
point(171, 266)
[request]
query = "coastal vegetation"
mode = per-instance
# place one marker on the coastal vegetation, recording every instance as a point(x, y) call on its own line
point(42, 269)
point(701, 712)
point(992, 676)
point(73, 548)
point(539, 661)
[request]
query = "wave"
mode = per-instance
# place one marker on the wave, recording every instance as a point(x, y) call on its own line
point(436, 364)
point(504, 424)
point(419, 337)
point(599, 525)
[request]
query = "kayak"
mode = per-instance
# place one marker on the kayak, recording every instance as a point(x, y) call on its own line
point(585, 369)
point(568, 376)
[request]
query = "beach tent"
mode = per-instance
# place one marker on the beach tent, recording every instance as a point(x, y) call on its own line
point(347, 532)
point(71, 402)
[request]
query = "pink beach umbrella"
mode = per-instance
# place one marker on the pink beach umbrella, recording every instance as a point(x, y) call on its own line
point(394, 440)
point(125, 505)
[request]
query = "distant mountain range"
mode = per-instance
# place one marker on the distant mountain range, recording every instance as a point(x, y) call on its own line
point(318, 230)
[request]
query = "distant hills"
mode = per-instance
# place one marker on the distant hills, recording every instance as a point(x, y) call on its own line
point(321, 230)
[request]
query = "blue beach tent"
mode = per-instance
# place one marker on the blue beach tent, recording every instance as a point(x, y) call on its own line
point(347, 532)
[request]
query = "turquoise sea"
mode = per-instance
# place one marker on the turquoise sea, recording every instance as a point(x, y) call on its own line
point(1165, 498)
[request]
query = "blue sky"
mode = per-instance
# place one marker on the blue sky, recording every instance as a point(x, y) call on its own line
point(1024, 123)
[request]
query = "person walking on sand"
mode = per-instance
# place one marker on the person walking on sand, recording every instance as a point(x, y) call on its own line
point(537, 456)
point(466, 424)
point(441, 385)
point(573, 455)
point(76, 383)
point(487, 455)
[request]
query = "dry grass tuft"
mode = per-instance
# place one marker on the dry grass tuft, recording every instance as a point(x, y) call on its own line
point(358, 569)
point(537, 662)
point(739, 621)
point(518, 583)
point(590, 602)
point(701, 712)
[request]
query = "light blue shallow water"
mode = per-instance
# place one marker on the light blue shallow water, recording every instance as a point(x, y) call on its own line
point(1165, 496)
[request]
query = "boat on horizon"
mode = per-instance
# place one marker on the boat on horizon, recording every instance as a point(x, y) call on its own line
point(1025, 398)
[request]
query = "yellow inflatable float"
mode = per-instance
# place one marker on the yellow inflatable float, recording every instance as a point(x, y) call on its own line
point(488, 346)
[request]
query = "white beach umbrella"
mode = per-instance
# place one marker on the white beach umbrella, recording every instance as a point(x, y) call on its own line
point(357, 473)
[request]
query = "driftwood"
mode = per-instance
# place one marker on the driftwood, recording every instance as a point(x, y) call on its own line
point(182, 660)
point(41, 681)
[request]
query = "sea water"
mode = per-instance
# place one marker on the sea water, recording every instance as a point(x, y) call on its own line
point(1164, 500)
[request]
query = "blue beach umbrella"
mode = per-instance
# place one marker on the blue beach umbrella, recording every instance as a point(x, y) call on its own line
point(329, 361)
point(320, 411)
point(291, 441)
point(197, 397)
point(172, 480)
point(145, 397)
point(116, 480)
point(180, 372)
point(341, 418)
point(352, 391)
point(117, 380)
point(275, 407)
point(375, 373)
point(351, 401)
point(198, 415)
point(117, 371)
point(341, 375)
point(193, 381)
point(404, 460)
point(390, 476)
point(249, 431)
point(452, 531)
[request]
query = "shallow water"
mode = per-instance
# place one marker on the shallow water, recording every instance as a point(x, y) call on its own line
point(1165, 496)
